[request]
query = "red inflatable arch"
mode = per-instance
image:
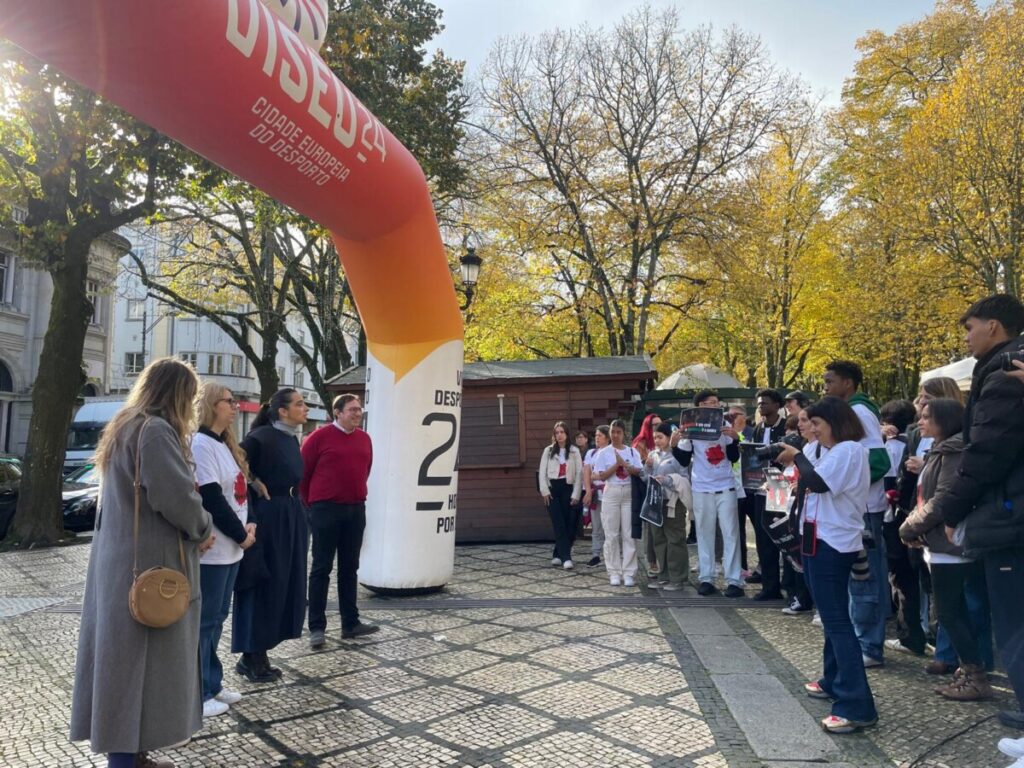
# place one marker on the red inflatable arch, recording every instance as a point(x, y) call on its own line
point(235, 83)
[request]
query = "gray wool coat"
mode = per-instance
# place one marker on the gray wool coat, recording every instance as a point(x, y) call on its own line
point(136, 688)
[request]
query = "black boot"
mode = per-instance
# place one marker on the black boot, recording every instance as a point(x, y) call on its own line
point(264, 665)
point(248, 666)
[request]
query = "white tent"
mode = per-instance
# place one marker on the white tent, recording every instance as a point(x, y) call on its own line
point(699, 376)
point(960, 371)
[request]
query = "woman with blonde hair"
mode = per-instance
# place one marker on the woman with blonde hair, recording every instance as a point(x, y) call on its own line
point(137, 688)
point(221, 476)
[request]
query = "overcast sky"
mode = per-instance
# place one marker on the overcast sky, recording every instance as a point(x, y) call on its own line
point(812, 38)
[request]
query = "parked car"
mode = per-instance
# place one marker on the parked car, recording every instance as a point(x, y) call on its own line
point(10, 479)
point(80, 493)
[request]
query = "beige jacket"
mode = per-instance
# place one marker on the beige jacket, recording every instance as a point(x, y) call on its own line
point(548, 471)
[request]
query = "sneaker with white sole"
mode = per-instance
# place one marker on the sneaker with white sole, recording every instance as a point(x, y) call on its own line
point(893, 644)
point(594, 561)
point(816, 621)
point(671, 587)
point(568, 565)
point(614, 580)
point(555, 561)
point(627, 581)
point(796, 608)
point(228, 697)
point(213, 708)
point(1012, 747)
point(869, 662)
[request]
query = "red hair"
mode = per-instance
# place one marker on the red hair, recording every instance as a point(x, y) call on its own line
point(646, 434)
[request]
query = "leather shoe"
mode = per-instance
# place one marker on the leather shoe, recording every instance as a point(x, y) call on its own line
point(359, 630)
point(706, 588)
point(264, 665)
point(939, 668)
point(1012, 718)
point(249, 668)
point(762, 595)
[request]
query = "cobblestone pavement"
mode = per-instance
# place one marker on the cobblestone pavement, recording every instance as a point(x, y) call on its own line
point(515, 664)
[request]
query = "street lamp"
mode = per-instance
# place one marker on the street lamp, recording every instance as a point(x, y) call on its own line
point(469, 265)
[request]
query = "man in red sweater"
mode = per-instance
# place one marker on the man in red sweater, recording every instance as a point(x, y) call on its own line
point(336, 464)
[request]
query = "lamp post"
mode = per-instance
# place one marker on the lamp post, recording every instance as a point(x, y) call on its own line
point(469, 266)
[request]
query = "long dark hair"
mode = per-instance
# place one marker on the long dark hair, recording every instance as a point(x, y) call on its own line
point(269, 410)
point(947, 415)
point(838, 414)
point(555, 449)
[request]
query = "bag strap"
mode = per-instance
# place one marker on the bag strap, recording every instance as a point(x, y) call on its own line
point(138, 502)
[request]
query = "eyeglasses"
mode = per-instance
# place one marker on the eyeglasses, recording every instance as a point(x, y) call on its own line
point(229, 400)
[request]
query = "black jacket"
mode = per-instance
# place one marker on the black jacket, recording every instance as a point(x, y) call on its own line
point(988, 491)
point(777, 432)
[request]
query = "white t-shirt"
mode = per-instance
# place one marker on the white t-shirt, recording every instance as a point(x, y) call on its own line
point(710, 469)
point(872, 439)
point(595, 482)
point(215, 464)
point(604, 460)
point(839, 515)
point(895, 448)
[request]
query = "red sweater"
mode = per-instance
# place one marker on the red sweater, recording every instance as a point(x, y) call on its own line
point(335, 466)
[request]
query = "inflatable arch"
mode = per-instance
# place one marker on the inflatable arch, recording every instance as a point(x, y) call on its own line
point(235, 82)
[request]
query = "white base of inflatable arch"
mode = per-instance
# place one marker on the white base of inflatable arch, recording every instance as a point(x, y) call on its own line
point(409, 544)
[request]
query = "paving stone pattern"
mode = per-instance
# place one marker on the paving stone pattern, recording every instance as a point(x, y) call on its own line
point(505, 687)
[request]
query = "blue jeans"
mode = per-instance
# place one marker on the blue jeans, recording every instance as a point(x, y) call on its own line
point(844, 679)
point(217, 583)
point(976, 595)
point(870, 599)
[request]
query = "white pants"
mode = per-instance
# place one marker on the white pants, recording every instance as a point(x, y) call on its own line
point(709, 508)
point(617, 521)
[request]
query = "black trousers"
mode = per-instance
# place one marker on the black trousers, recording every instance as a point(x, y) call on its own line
point(948, 581)
point(337, 531)
point(745, 510)
point(1004, 574)
point(905, 581)
point(563, 518)
point(767, 551)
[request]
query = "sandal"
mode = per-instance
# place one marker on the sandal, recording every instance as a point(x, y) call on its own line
point(815, 691)
point(834, 724)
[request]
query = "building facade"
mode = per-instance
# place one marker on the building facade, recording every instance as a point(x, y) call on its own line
point(25, 296)
point(146, 328)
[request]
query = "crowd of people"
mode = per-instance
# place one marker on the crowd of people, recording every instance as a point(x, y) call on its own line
point(913, 508)
point(856, 510)
point(180, 490)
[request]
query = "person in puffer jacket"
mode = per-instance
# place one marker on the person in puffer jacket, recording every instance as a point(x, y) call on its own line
point(984, 508)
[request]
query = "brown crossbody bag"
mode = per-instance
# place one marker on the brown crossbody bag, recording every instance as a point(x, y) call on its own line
point(159, 596)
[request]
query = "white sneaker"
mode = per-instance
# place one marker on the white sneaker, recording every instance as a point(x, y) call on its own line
point(567, 565)
point(1018, 763)
point(1012, 747)
point(628, 581)
point(816, 621)
point(614, 580)
point(555, 561)
point(870, 662)
point(212, 708)
point(228, 697)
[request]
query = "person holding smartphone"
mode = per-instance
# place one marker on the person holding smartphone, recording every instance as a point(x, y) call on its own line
point(832, 523)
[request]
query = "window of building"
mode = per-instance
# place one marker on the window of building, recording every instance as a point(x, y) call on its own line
point(136, 309)
point(280, 375)
point(298, 375)
point(216, 364)
point(6, 278)
point(237, 365)
point(92, 293)
point(192, 358)
point(134, 362)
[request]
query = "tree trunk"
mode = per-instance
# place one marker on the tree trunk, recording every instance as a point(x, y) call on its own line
point(39, 520)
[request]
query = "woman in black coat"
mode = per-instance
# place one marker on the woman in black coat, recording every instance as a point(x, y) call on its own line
point(270, 599)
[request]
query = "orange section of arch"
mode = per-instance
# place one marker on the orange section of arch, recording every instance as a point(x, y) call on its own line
point(230, 81)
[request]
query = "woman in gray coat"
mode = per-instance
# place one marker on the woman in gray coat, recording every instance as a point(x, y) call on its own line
point(137, 688)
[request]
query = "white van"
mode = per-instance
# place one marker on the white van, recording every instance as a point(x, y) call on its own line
point(86, 426)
